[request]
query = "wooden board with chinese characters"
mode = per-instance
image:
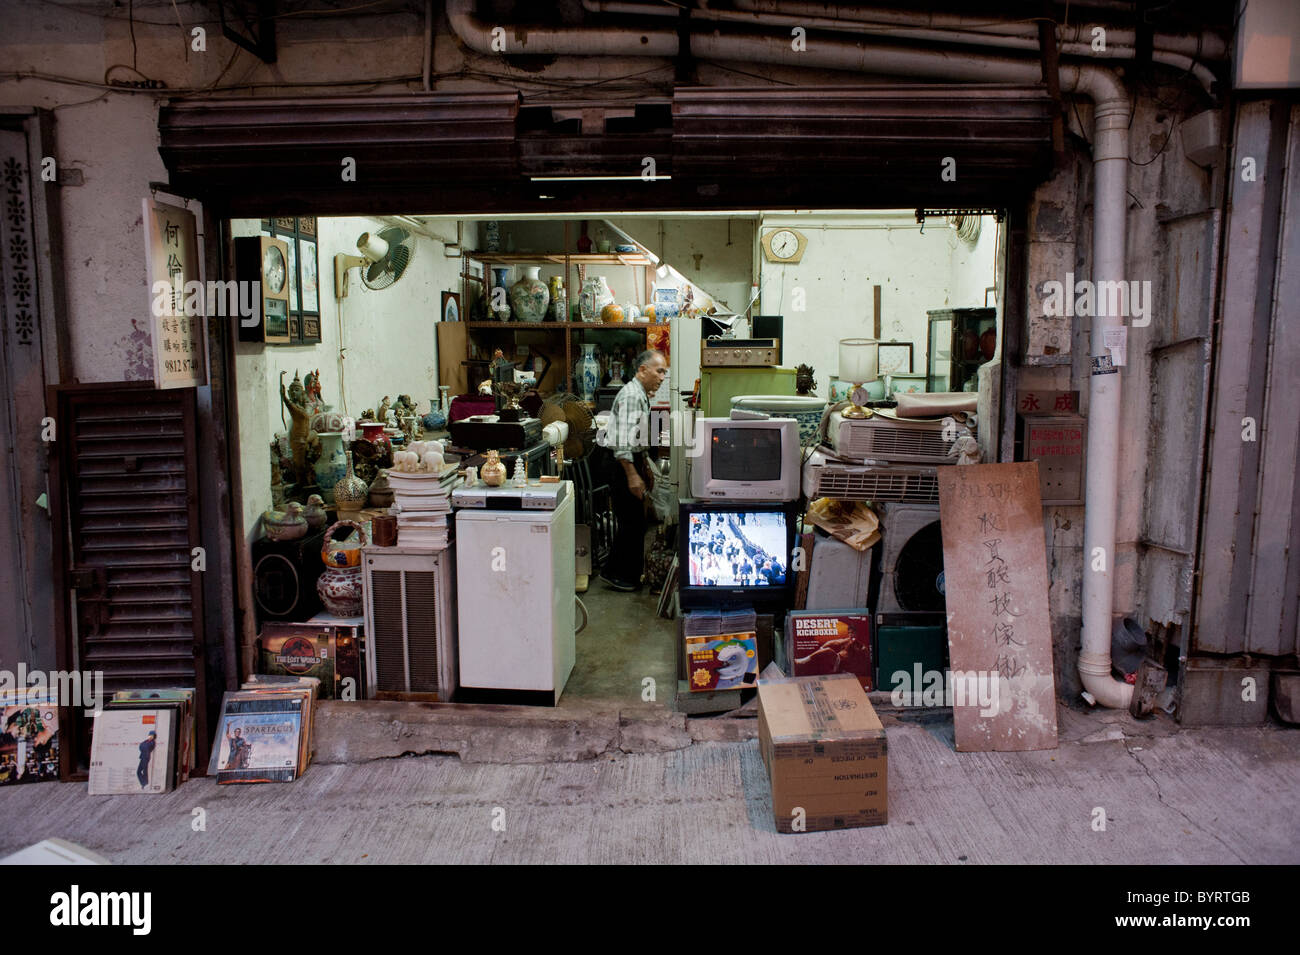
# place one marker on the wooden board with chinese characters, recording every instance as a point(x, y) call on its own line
point(999, 631)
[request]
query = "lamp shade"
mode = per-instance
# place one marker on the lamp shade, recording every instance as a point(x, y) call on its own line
point(858, 360)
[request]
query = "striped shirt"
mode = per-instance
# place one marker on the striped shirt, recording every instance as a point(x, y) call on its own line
point(628, 430)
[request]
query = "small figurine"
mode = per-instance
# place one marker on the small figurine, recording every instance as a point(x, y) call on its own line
point(520, 477)
point(383, 410)
point(804, 382)
point(300, 432)
point(315, 403)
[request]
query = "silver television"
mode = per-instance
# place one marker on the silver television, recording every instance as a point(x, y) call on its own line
point(745, 460)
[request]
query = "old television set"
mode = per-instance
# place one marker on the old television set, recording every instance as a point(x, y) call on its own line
point(745, 459)
point(736, 554)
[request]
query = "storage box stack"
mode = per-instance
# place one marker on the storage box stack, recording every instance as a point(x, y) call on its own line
point(825, 753)
point(422, 503)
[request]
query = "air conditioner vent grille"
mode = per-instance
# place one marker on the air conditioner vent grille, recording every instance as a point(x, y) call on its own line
point(387, 639)
point(422, 630)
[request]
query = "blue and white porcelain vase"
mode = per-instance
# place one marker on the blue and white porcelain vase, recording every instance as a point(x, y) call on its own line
point(586, 373)
point(332, 465)
point(529, 297)
point(499, 301)
point(492, 235)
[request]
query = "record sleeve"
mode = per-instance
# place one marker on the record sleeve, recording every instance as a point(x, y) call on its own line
point(131, 751)
point(259, 737)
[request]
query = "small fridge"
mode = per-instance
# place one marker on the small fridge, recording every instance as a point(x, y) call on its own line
point(515, 597)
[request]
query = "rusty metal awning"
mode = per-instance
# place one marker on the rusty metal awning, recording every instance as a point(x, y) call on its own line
point(717, 148)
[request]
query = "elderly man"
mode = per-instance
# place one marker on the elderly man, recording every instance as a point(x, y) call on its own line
point(629, 475)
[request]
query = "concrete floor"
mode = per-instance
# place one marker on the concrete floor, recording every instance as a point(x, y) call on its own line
point(1189, 796)
point(624, 642)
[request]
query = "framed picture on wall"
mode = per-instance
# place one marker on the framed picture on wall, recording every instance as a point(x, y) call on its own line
point(895, 358)
point(451, 306)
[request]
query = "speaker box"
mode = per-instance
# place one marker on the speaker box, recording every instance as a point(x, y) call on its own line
point(768, 326)
point(284, 577)
point(911, 564)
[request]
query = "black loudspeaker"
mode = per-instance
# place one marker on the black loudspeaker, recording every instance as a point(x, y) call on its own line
point(768, 326)
point(284, 578)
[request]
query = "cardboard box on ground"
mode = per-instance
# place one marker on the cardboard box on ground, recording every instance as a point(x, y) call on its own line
point(825, 753)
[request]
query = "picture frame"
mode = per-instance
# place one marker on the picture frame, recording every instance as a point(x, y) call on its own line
point(895, 358)
point(451, 306)
point(906, 384)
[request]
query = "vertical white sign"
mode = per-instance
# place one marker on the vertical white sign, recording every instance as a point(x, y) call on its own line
point(177, 298)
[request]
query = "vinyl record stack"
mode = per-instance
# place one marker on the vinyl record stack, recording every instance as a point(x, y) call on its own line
point(422, 503)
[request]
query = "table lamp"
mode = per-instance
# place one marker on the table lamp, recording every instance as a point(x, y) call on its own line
point(859, 359)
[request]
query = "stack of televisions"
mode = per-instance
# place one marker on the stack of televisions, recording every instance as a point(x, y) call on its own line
point(738, 561)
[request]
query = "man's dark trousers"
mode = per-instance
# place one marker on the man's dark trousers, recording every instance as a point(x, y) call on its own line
point(627, 552)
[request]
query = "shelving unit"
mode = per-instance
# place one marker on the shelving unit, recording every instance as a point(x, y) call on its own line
point(487, 335)
point(955, 345)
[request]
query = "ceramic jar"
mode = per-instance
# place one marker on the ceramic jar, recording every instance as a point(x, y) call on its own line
point(559, 310)
point(323, 421)
point(314, 512)
point(332, 465)
point(499, 302)
point(436, 419)
point(286, 525)
point(586, 373)
point(529, 297)
point(350, 492)
point(493, 471)
point(595, 296)
point(339, 589)
point(381, 492)
point(612, 314)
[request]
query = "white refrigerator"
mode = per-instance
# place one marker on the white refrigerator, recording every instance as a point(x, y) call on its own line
point(515, 590)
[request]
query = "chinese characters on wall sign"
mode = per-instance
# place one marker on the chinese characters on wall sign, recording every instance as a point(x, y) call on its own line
point(171, 234)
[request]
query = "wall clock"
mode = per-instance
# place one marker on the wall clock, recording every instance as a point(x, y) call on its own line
point(265, 261)
point(784, 246)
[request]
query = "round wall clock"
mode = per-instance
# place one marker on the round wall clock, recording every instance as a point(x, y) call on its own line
point(784, 246)
point(274, 272)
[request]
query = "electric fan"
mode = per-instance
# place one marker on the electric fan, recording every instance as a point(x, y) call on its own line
point(383, 260)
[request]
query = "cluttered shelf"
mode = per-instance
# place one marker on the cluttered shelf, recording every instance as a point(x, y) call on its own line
point(560, 258)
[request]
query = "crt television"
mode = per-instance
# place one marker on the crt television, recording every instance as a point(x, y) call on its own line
point(745, 460)
point(735, 554)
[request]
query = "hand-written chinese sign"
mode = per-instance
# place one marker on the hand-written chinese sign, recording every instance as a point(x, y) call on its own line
point(995, 580)
point(176, 319)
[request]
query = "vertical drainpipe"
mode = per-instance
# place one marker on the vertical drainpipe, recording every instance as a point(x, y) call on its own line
point(1110, 213)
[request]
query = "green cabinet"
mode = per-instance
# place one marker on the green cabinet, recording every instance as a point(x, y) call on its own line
point(719, 385)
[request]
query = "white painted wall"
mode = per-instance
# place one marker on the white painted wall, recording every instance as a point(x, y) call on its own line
point(389, 339)
point(848, 254)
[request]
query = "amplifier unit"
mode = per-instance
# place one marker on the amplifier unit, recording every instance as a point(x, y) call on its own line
point(824, 475)
point(740, 352)
point(881, 438)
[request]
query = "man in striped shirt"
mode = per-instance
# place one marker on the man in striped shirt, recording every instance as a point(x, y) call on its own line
point(630, 477)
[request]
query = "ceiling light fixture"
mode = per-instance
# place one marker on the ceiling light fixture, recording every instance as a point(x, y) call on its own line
point(594, 178)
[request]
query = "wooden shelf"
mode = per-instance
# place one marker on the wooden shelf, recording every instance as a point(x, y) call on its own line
point(630, 259)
